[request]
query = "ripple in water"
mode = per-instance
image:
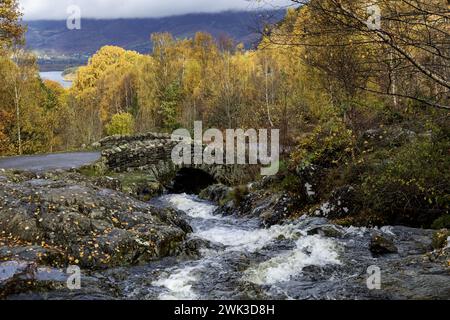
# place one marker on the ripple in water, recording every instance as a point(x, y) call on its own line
point(238, 235)
point(179, 285)
point(310, 251)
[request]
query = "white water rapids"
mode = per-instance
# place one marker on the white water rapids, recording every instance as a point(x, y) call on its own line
point(236, 237)
point(235, 258)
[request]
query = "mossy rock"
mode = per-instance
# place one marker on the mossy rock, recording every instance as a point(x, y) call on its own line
point(380, 245)
point(140, 185)
point(442, 222)
point(96, 170)
point(440, 238)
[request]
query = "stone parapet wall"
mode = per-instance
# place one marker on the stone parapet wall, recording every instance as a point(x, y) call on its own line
point(152, 152)
point(137, 154)
point(117, 140)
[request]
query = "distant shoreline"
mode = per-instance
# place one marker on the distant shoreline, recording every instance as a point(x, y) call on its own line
point(57, 66)
point(58, 76)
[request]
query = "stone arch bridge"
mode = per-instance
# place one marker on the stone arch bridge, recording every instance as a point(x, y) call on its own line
point(151, 152)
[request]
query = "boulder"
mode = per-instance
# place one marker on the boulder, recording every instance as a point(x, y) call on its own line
point(331, 231)
point(380, 244)
point(393, 136)
point(108, 183)
point(216, 193)
point(340, 204)
point(90, 226)
point(271, 208)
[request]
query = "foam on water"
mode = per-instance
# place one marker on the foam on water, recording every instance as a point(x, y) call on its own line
point(362, 231)
point(192, 206)
point(310, 251)
point(237, 239)
point(240, 235)
point(179, 285)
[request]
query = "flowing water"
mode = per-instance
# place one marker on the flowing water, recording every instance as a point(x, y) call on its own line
point(237, 256)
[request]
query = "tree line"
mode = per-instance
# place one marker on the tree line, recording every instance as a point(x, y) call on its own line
point(321, 62)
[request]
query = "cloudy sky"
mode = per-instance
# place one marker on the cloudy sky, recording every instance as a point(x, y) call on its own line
point(102, 9)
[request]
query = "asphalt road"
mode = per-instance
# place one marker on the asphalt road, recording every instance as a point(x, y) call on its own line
point(50, 161)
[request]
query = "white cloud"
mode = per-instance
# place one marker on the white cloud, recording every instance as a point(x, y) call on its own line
point(104, 9)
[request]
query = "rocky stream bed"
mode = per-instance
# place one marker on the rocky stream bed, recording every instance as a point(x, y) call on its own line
point(178, 246)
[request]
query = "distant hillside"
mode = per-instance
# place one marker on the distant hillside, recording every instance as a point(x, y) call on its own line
point(59, 47)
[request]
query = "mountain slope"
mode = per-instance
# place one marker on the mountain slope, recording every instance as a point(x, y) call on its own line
point(52, 40)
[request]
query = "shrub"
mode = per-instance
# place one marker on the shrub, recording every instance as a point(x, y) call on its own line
point(291, 183)
point(439, 240)
point(330, 144)
point(121, 124)
point(412, 186)
point(442, 222)
point(238, 194)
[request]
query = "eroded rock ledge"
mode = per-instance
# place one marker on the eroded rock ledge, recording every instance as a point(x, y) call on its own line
point(63, 219)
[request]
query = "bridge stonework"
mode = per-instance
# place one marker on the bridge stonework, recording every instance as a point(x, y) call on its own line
point(152, 153)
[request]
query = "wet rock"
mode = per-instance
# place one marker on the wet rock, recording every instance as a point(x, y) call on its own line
point(26, 280)
point(91, 227)
point(33, 254)
point(330, 231)
point(193, 246)
point(380, 244)
point(440, 239)
point(216, 193)
point(340, 204)
point(410, 241)
point(16, 276)
point(271, 208)
point(147, 191)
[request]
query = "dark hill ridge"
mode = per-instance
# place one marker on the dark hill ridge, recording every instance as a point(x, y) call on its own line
point(51, 39)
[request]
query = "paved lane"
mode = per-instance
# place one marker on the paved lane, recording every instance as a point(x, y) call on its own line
point(49, 161)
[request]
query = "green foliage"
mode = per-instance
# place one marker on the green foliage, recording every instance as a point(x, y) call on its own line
point(169, 106)
point(237, 195)
point(440, 239)
point(442, 222)
point(328, 145)
point(412, 186)
point(291, 183)
point(121, 124)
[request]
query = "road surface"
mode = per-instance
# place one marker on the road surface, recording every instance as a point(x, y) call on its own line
point(55, 161)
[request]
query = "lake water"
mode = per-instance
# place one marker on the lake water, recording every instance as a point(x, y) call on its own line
point(57, 77)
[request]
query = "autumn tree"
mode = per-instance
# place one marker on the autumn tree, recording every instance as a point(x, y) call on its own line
point(106, 86)
point(29, 113)
point(56, 115)
point(11, 28)
point(121, 124)
point(412, 42)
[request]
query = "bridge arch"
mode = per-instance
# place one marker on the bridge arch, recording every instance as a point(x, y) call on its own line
point(191, 180)
point(152, 153)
